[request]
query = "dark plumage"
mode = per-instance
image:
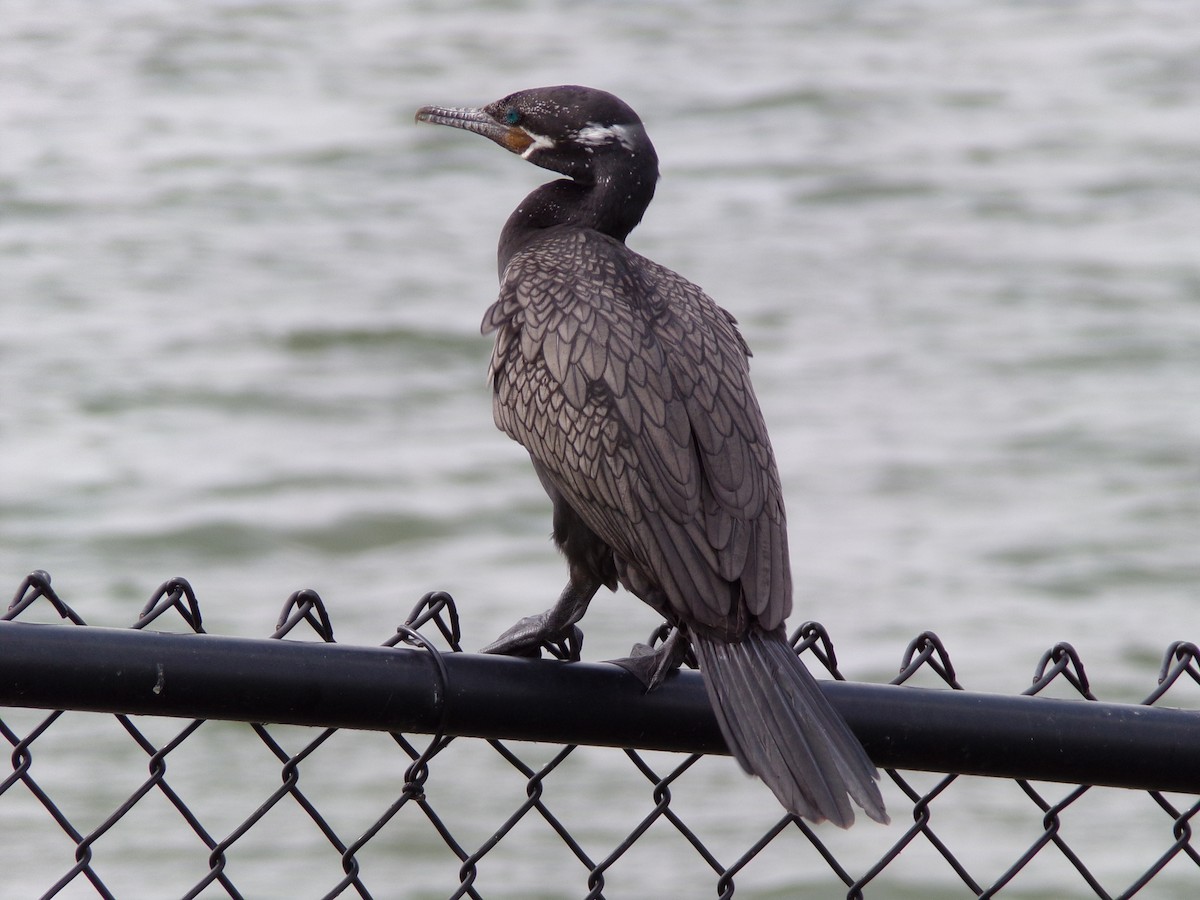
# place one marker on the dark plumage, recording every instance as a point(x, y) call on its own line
point(630, 389)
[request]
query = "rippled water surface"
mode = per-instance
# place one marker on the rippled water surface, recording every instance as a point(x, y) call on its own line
point(240, 293)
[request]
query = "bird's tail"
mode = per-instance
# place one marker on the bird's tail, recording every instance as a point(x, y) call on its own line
point(781, 728)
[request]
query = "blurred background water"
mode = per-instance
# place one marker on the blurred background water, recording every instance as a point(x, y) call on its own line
point(240, 293)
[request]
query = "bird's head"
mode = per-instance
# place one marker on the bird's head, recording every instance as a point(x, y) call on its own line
point(576, 131)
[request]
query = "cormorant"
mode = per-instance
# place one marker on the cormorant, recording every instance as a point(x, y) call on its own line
point(630, 389)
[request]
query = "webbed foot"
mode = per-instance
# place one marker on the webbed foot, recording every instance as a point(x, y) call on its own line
point(555, 629)
point(651, 665)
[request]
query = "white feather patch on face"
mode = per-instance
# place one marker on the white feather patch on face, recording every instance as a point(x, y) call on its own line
point(593, 135)
point(540, 142)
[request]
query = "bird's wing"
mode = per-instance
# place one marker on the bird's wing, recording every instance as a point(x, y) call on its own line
point(630, 388)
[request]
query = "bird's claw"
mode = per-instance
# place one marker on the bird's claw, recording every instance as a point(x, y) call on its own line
point(566, 647)
point(651, 665)
point(532, 633)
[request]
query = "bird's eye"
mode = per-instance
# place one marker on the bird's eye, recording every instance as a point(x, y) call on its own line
point(512, 116)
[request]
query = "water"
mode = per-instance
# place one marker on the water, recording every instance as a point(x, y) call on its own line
point(240, 295)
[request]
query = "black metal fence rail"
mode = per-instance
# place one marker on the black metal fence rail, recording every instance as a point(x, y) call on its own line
point(471, 695)
point(409, 687)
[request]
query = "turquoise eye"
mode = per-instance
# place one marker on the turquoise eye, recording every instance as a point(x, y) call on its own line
point(512, 117)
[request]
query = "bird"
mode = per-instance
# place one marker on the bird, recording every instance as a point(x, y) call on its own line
point(630, 389)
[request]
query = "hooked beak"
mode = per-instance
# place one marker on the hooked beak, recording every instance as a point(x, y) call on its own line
point(510, 137)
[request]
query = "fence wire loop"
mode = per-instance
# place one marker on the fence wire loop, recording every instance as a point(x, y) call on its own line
point(417, 773)
point(1063, 661)
point(176, 594)
point(439, 608)
point(304, 606)
point(927, 649)
point(35, 586)
point(1181, 658)
point(813, 636)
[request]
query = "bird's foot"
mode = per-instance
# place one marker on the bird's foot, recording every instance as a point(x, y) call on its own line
point(555, 629)
point(651, 665)
point(532, 633)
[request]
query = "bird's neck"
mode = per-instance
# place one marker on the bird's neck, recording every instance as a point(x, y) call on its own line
point(613, 204)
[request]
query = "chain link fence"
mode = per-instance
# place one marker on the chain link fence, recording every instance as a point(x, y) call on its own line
point(124, 804)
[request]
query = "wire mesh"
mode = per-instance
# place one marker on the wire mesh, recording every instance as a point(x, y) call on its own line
point(136, 806)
